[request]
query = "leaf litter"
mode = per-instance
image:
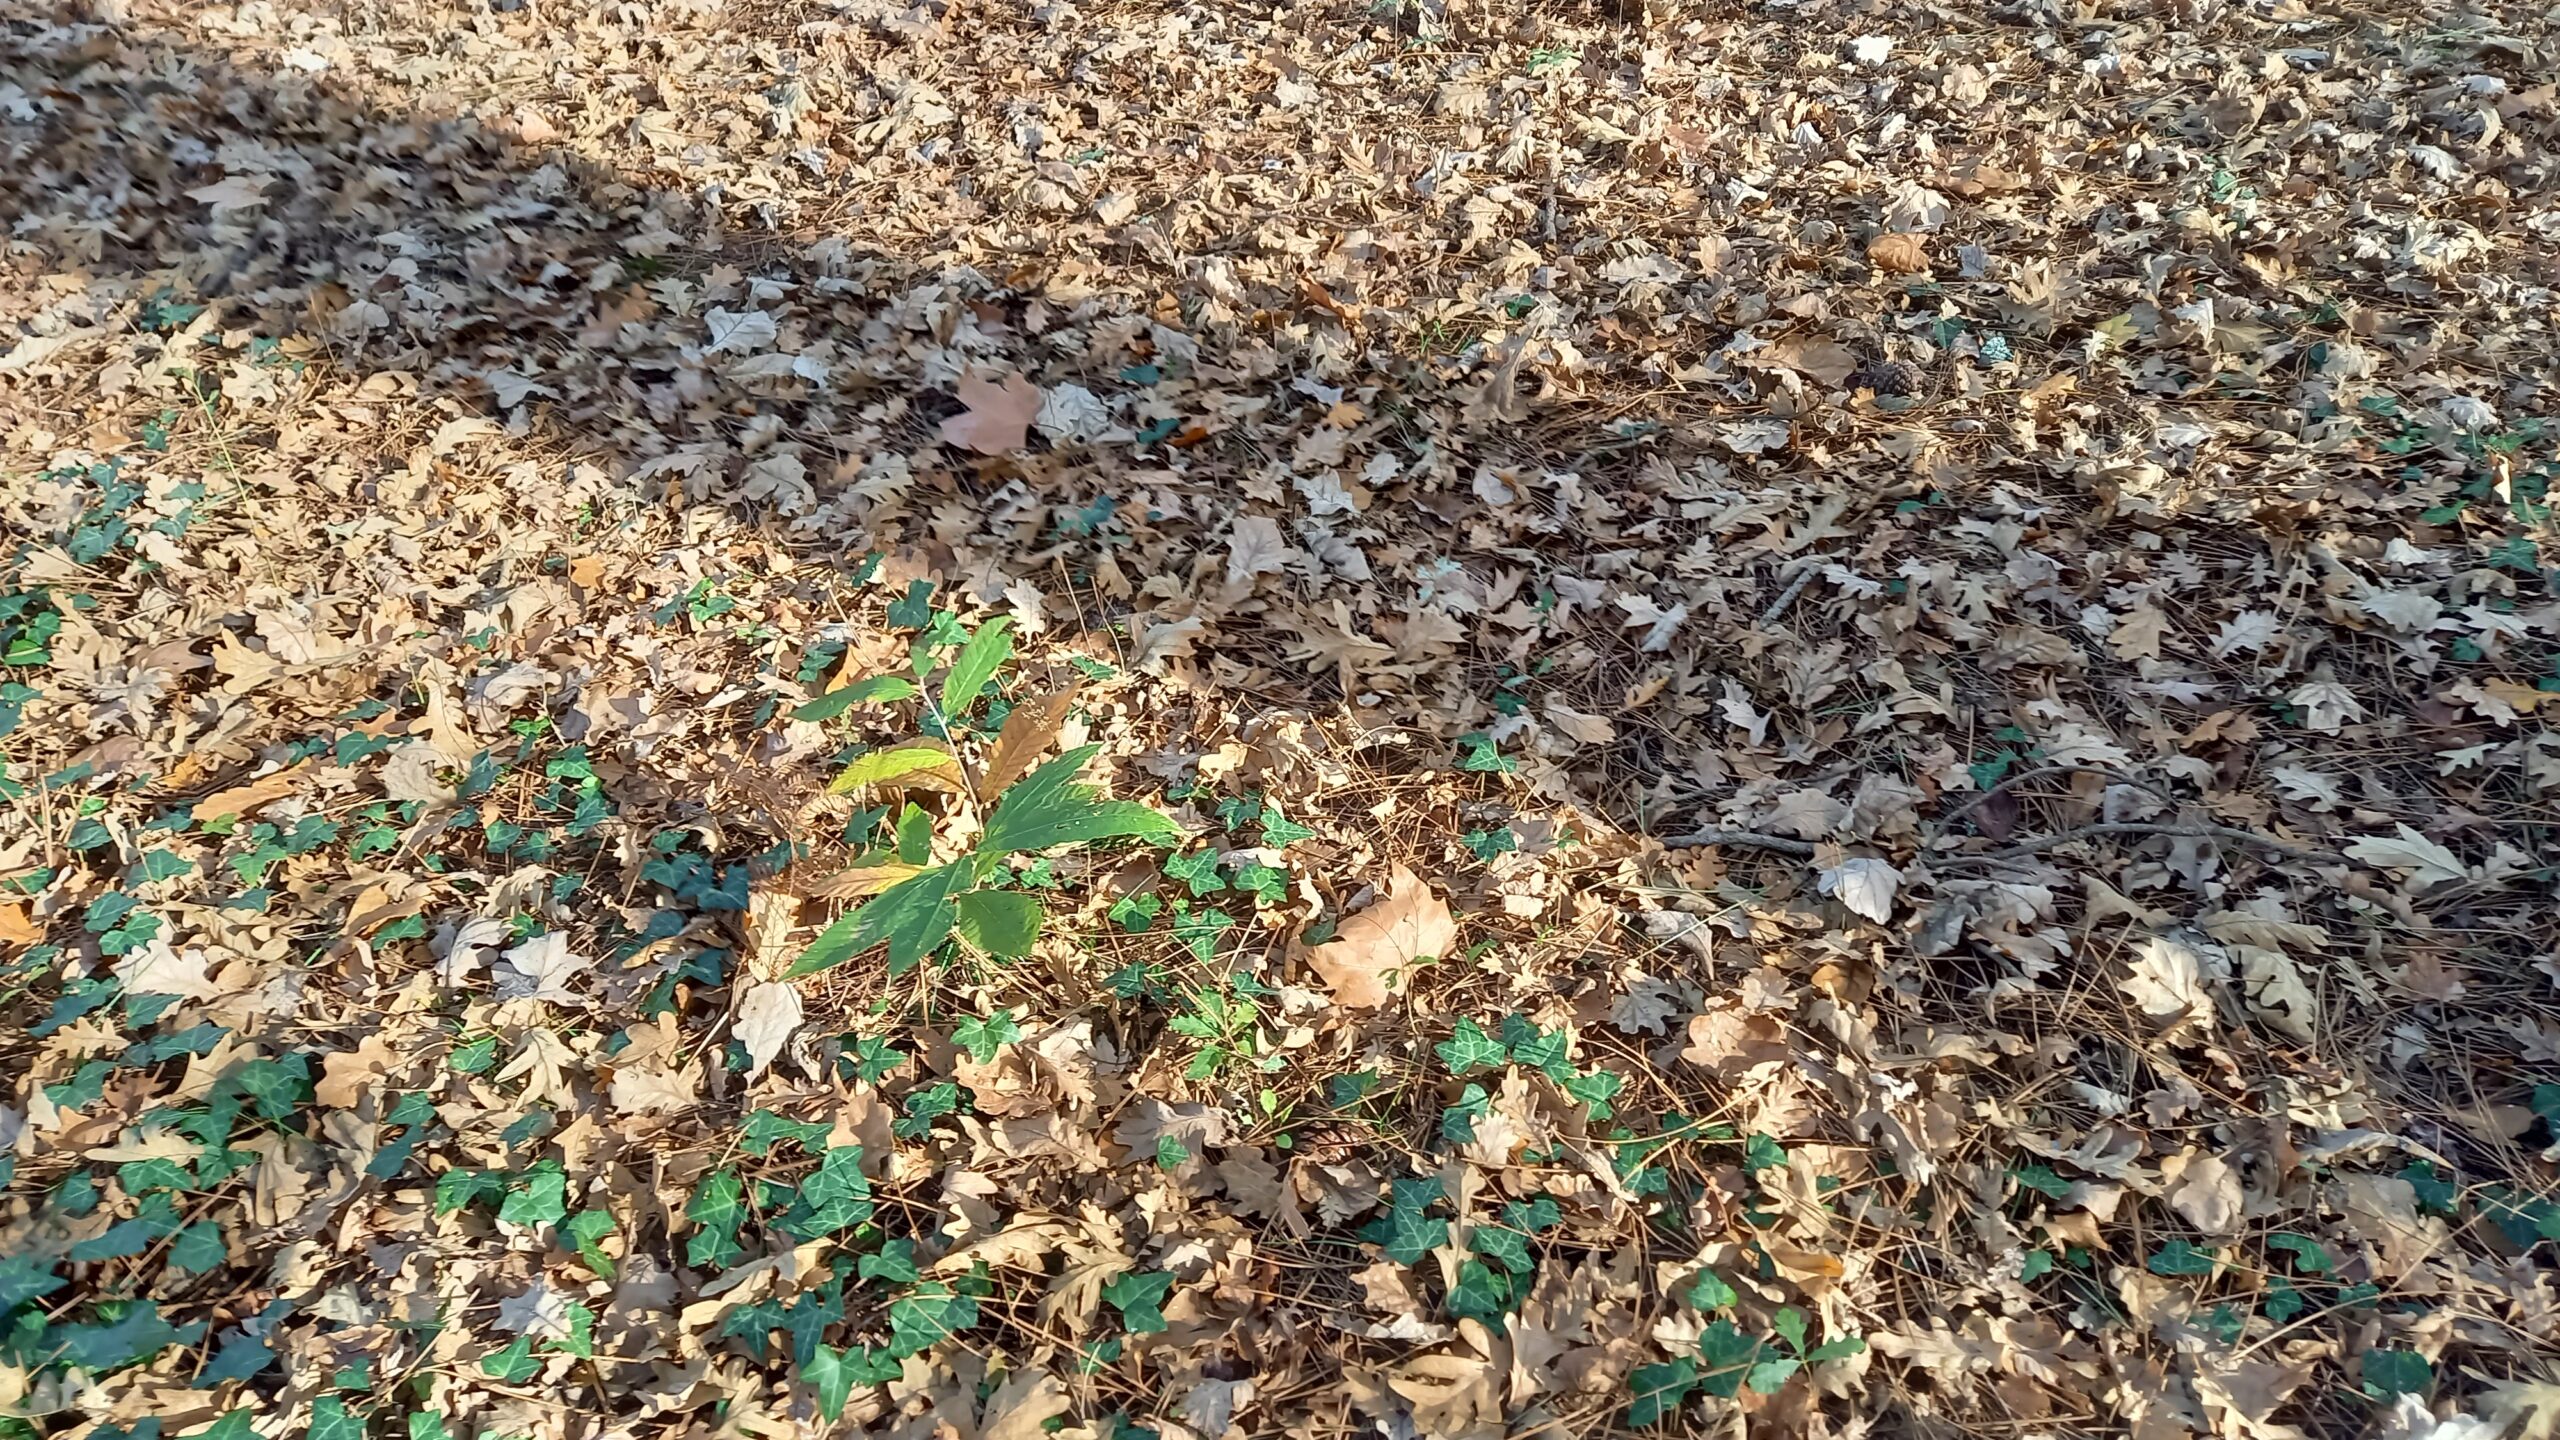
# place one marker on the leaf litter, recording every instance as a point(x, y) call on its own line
point(1165, 720)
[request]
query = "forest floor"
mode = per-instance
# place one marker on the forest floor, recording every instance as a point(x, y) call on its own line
point(1173, 719)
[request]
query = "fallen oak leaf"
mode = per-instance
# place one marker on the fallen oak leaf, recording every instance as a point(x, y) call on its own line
point(1371, 955)
point(999, 417)
point(248, 799)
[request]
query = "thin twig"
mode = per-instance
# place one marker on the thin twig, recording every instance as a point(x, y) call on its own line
point(1752, 838)
point(2144, 827)
point(1940, 825)
point(1804, 576)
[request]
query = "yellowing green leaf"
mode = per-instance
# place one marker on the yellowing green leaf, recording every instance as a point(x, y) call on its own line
point(898, 762)
point(835, 702)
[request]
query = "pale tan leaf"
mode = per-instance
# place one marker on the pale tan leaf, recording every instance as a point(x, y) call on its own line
point(1367, 960)
point(999, 417)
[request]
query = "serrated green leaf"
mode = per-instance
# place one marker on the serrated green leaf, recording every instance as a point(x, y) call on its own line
point(875, 688)
point(1003, 923)
point(975, 665)
point(888, 764)
point(1048, 807)
point(913, 916)
point(1840, 1349)
point(1789, 1323)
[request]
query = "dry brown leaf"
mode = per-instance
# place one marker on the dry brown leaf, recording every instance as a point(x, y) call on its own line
point(1900, 253)
point(1825, 362)
point(1027, 733)
point(16, 928)
point(862, 881)
point(1367, 959)
point(248, 799)
point(999, 416)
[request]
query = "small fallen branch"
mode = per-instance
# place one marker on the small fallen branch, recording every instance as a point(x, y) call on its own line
point(2227, 833)
point(1751, 838)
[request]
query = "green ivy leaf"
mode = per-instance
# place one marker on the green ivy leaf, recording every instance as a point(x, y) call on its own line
point(1470, 1049)
point(983, 1036)
point(198, 1248)
point(2309, 1256)
point(513, 1365)
point(767, 1128)
point(1710, 1292)
point(537, 1197)
point(1538, 1049)
point(975, 665)
point(896, 1261)
point(1047, 807)
point(2041, 1179)
point(1003, 923)
point(927, 1315)
point(332, 1420)
point(1139, 1297)
point(423, 1425)
point(1405, 1232)
point(1729, 1354)
point(1482, 1294)
point(835, 702)
point(2284, 1300)
point(2179, 1257)
point(2391, 1373)
point(717, 1209)
point(1762, 1152)
point(2036, 1265)
point(1659, 1390)
point(1198, 871)
point(586, 1231)
point(828, 1373)
point(24, 1278)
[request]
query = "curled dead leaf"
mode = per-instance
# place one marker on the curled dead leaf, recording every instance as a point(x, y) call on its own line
point(1899, 254)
